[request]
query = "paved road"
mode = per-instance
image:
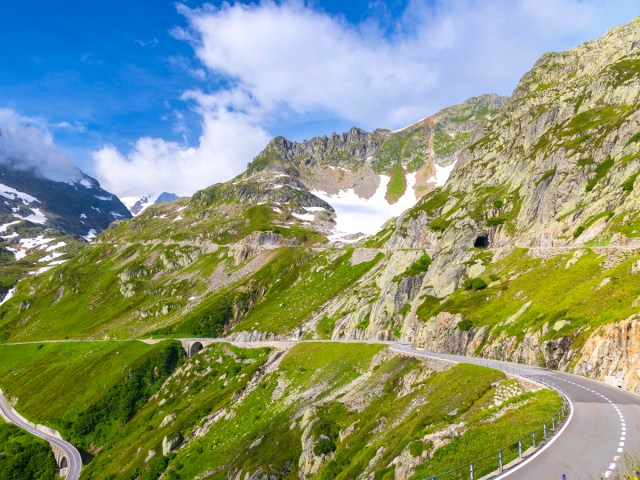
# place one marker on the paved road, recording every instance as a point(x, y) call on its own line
point(602, 435)
point(74, 459)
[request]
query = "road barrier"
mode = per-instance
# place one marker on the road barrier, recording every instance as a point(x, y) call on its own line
point(494, 464)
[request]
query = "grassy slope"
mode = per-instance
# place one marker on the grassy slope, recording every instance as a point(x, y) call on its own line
point(136, 290)
point(574, 290)
point(262, 417)
point(295, 297)
point(55, 383)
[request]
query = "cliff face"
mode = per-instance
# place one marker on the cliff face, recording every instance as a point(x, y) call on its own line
point(534, 238)
point(415, 157)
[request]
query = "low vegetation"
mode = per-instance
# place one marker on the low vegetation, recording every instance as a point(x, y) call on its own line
point(24, 456)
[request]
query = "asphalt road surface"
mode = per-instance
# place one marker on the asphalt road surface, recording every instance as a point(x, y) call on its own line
point(74, 460)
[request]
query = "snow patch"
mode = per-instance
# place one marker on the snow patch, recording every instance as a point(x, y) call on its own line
point(315, 209)
point(41, 270)
point(17, 253)
point(36, 217)
point(355, 214)
point(8, 296)
point(3, 228)
point(58, 262)
point(442, 174)
point(308, 217)
point(36, 242)
point(57, 246)
point(116, 215)
point(85, 183)
point(83, 216)
point(91, 235)
point(12, 194)
point(51, 256)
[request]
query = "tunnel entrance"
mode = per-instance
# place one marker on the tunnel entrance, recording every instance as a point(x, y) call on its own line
point(63, 463)
point(195, 348)
point(481, 242)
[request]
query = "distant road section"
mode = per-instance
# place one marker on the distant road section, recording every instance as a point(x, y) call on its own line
point(67, 456)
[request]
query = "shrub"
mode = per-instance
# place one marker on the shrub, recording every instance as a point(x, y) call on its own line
point(474, 284)
point(495, 221)
point(416, 448)
point(465, 325)
point(324, 446)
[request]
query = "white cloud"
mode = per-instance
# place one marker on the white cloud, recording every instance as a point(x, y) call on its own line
point(228, 141)
point(289, 61)
point(288, 56)
point(26, 144)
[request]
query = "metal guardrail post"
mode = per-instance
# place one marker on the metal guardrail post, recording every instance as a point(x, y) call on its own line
point(553, 422)
point(533, 439)
point(471, 472)
point(544, 430)
point(519, 448)
point(500, 466)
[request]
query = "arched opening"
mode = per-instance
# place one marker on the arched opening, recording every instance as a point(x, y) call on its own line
point(481, 242)
point(195, 348)
point(63, 463)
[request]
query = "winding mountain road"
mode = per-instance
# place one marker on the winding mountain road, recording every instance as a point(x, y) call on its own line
point(71, 453)
point(600, 438)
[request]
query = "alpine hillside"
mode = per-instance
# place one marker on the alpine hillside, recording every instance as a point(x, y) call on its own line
point(519, 240)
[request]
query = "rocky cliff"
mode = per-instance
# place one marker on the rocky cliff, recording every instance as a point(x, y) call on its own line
point(414, 158)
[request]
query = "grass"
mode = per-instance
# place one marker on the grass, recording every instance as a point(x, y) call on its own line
point(530, 279)
point(397, 184)
point(55, 383)
point(420, 266)
point(445, 144)
point(295, 297)
point(549, 173)
point(601, 171)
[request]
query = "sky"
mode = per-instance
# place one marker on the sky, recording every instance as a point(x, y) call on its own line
point(156, 95)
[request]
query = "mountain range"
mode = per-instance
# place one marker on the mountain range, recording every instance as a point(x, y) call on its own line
point(517, 237)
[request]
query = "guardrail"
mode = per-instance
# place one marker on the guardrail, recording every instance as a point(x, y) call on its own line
point(495, 463)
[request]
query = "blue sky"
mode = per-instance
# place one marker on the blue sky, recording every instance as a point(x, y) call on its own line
point(154, 95)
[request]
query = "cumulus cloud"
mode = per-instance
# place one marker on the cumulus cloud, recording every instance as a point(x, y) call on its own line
point(27, 145)
point(272, 62)
point(228, 141)
point(290, 56)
